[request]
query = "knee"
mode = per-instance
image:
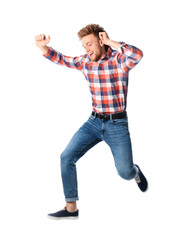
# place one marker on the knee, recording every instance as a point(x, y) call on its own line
point(63, 158)
point(64, 163)
point(66, 158)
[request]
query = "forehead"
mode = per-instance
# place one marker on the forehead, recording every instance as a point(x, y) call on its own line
point(89, 38)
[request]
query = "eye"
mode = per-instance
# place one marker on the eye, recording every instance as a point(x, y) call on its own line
point(87, 45)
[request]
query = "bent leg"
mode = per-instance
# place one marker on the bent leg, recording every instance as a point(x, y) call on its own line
point(81, 142)
point(118, 138)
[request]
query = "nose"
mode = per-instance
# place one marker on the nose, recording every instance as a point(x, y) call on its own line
point(87, 49)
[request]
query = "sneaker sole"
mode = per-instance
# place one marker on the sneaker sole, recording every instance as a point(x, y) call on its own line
point(64, 218)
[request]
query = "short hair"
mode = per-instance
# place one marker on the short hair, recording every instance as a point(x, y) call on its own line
point(91, 29)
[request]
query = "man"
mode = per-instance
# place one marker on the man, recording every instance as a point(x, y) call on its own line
point(105, 66)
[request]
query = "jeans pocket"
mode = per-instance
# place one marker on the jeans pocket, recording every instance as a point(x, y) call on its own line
point(120, 121)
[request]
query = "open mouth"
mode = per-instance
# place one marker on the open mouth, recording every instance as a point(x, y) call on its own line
point(91, 54)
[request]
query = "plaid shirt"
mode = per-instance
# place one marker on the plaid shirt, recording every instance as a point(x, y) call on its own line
point(107, 78)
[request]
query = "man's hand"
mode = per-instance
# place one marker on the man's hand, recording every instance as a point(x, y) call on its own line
point(41, 42)
point(105, 40)
point(104, 37)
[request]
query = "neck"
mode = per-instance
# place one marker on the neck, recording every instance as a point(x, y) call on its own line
point(103, 53)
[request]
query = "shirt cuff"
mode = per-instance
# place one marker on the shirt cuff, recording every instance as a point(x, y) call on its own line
point(121, 48)
point(48, 52)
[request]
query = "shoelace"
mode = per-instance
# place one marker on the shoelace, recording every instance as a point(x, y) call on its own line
point(137, 179)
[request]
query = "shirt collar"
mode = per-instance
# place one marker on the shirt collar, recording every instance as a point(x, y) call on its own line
point(107, 55)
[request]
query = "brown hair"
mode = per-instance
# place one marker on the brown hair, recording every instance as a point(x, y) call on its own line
point(91, 29)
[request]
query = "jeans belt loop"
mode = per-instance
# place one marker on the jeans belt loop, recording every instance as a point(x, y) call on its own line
point(110, 116)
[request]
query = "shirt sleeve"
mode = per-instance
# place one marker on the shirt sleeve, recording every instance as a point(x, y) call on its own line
point(59, 58)
point(128, 56)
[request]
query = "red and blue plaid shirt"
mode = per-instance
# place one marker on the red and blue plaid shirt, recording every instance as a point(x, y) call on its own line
point(107, 78)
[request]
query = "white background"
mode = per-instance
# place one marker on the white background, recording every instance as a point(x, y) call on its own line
point(43, 104)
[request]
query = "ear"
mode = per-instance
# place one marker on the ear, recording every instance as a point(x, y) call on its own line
point(101, 43)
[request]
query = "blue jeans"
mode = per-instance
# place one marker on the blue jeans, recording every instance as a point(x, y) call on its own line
point(115, 133)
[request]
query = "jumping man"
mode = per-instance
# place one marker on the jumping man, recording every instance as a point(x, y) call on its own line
point(105, 66)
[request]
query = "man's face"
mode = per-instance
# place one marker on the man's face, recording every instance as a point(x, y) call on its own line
point(93, 47)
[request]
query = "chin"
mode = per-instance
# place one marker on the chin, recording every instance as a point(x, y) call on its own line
point(94, 59)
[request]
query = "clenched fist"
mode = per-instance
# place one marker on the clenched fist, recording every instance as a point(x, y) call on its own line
point(42, 41)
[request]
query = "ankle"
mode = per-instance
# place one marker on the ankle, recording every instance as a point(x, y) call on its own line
point(71, 206)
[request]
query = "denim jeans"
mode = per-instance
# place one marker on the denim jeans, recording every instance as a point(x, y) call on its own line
point(115, 133)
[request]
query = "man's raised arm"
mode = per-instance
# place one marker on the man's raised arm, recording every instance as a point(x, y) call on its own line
point(128, 55)
point(57, 57)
